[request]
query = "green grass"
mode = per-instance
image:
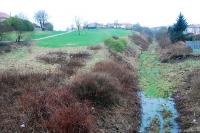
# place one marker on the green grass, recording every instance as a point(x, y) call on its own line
point(41, 34)
point(87, 37)
point(161, 79)
point(11, 36)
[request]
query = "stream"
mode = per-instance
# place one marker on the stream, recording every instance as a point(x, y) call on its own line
point(160, 109)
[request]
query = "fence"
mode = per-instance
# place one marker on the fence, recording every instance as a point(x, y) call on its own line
point(193, 44)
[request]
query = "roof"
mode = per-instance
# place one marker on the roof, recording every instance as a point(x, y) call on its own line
point(3, 15)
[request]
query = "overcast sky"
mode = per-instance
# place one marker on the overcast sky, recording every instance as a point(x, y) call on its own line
point(146, 12)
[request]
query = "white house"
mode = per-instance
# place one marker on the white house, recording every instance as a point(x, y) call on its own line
point(194, 29)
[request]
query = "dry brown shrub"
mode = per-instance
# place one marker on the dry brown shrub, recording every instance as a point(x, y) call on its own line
point(12, 86)
point(97, 47)
point(175, 52)
point(164, 41)
point(57, 111)
point(140, 40)
point(100, 88)
point(126, 76)
point(69, 63)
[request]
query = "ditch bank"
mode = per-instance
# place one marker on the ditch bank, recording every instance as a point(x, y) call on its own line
point(187, 99)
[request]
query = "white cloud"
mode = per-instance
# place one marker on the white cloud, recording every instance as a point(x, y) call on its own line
point(146, 12)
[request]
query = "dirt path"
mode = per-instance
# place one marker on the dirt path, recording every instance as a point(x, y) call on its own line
point(51, 36)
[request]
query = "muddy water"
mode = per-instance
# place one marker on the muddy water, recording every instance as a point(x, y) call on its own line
point(153, 108)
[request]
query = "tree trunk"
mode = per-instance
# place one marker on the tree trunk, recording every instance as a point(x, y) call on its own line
point(18, 37)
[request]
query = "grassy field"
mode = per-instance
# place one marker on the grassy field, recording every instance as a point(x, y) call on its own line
point(41, 34)
point(87, 37)
point(161, 79)
point(11, 36)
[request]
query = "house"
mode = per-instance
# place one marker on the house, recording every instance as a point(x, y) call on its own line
point(110, 25)
point(127, 26)
point(3, 16)
point(93, 26)
point(193, 29)
point(36, 27)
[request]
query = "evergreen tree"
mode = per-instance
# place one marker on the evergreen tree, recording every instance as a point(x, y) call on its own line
point(176, 32)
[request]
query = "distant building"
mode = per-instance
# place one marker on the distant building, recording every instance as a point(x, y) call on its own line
point(93, 26)
point(36, 27)
point(110, 25)
point(193, 29)
point(127, 26)
point(3, 16)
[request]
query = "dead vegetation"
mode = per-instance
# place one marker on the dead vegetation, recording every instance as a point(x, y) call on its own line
point(103, 100)
point(175, 52)
point(140, 40)
point(6, 47)
point(126, 77)
point(187, 101)
point(13, 86)
point(57, 111)
point(69, 62)
point(100, 88)
point(97, 47)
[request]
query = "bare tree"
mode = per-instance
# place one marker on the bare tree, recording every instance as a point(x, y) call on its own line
point(116, 23)
point(78, 25)
point(22, 16)
point(41, 17)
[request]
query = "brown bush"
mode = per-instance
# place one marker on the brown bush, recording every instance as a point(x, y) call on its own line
point(70, 67)
point(80, 55)
point(69, 63)
point(100, 88)
point(126, 76)
point(57, 111)
point(61, 57)
point(140, 40)
point(164, 41)
point(12, 86)
point(55, 57)
point(97, 47)
point(175, 51)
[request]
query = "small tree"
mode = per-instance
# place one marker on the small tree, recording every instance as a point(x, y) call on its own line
point(19, 25)
point(78, 25)
point(41, 18)
point(176, 32)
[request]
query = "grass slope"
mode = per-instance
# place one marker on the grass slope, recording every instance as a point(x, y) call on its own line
point(87, 37)
point(161, 79)
point(11, 36)
point(41, 34)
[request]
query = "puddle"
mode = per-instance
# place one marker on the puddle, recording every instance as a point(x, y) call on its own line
point(153, 108)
